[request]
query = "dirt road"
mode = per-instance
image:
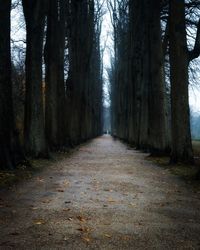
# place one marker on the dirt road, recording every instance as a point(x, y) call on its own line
point(102, 196)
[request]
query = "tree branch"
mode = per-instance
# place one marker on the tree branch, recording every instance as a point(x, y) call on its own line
point(196, 51)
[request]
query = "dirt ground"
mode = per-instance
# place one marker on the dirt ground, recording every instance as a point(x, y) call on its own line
point(101, 196)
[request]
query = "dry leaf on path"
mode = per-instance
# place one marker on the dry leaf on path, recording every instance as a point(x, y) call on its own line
point(132, 204)
point(66, 183)
point(108, 190)
point(86, 239)
point(39, 222)
point(66, 209)
point(84, 229)
point(125, 237)
point(107, 235)
point(81, 218)
point(60, 190)
point(40, 179)
point(111, 200)
point(34, 208)
point(46, 201)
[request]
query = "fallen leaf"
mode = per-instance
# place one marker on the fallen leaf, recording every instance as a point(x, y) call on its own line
point(84, 229)
point(60, 190)
point(107, 235)
point(126, 237)
point(108, 190)
point(46, 201)
point(40, 179)
point(39, 222)
point(66, 183)
point(34, 208)
point(66, 209)
point(86, 239)
point(67, 202)
point(81, 218)
point(111, 200)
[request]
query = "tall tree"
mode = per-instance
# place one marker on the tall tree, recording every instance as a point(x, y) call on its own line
point(180, 125)
point(139, 99)
point(55, 87)
point(34, 132)
point(158, 136)
point(84, 83)
point(10, 150)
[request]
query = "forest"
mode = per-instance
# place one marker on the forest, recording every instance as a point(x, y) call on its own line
point(53, 97)
point(42, 110)
point(95, 108)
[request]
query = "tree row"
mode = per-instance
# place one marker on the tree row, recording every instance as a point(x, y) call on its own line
point(149, 109)
point(60, 109)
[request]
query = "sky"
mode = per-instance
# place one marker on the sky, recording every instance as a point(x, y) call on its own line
point(17, 33)
point(194, 98)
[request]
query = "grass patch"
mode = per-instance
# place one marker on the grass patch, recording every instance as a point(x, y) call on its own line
point(184, 171)
point(188, 173)
point(161, 161)
point(8, 178)
point(22, 172)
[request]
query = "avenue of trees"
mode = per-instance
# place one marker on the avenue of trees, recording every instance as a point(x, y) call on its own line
point(53, 99)
point(149, 109)
point(58, 111)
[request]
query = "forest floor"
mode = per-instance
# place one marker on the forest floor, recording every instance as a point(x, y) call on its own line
point(102, 195)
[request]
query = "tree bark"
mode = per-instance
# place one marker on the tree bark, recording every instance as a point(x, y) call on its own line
point(55, 90)
point(180, 125)
point(34, 132)
point(84, 81)
point(10, 150)
point(158, 138)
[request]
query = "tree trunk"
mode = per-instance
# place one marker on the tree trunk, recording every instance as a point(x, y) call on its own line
point(34, 133)
point(180, 125)
point(55, 90)
point(10, 149)
point(142, 80)
point(82, 87)
point(158, 140)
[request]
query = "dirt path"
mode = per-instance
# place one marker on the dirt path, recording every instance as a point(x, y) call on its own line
point(103, 196)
